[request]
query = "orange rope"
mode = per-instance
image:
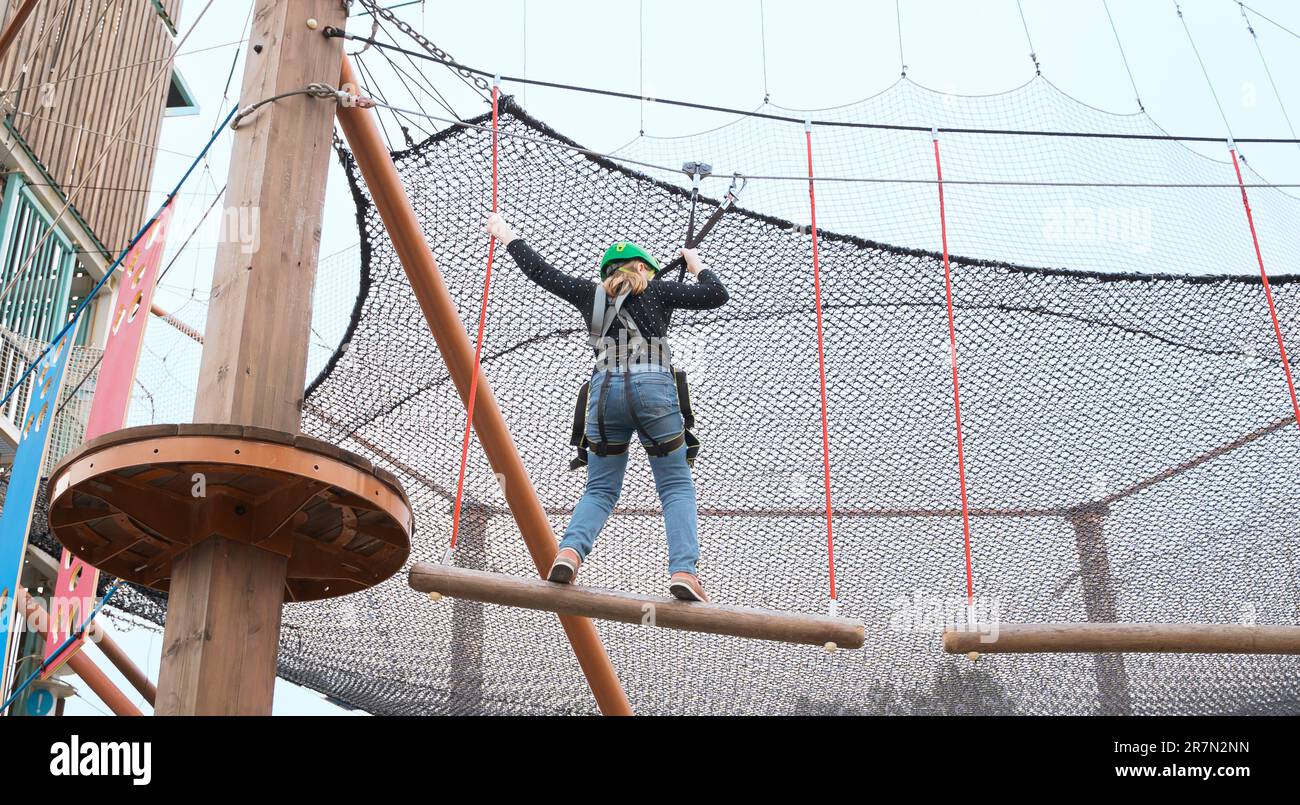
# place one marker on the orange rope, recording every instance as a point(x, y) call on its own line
point(478, 342)
point(956, 383)
point(821, 368)
point(1268, 291)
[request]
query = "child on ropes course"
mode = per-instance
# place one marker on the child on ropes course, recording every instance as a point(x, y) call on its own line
point(632, 390)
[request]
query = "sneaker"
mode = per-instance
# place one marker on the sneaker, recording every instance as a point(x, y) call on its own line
point(565, 567)
point(687, 587)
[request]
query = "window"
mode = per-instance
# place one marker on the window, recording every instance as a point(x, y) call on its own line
point(180, 102)
point(37, 264)
point(37, 306)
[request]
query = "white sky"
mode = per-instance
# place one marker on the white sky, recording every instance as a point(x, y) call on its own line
point(819, 53)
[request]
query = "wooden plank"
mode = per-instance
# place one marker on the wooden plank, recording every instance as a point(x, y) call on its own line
point(97, 98)
point(118, 127)
point(17, 77)
point(91, 102)
point(43, 124)
point(130, 158)
point(1086, 638)
point(667, 613)
point(68, 96)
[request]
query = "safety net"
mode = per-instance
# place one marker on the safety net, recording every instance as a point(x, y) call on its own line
point(1129, 443)
point(1130, 447)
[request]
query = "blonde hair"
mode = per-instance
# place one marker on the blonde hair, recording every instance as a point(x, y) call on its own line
point(626, 279)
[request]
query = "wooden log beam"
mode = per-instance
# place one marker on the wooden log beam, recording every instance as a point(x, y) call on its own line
point(614, 605)
point(1086, 638)
point(80, 664)
point(103, 687)
point(394, 207)
point(133, 673)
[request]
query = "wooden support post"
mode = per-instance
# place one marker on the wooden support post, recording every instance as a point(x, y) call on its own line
point(133, 673)
point(255, 342)
point(81, 665)
point(668, 613)
point(103, 687)
point(1098, 590)
point(220, 657)
point(223, 619)
point(444, 322)
point(1175, 638)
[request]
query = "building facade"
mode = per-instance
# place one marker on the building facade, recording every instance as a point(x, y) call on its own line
point(84, 88)
point(83, 92)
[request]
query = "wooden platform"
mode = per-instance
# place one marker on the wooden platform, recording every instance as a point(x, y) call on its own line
point(128, 502)
point(667, 613)
point(1079, 638)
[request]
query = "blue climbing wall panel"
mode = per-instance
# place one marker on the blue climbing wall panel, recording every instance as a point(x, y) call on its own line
point(24, 481)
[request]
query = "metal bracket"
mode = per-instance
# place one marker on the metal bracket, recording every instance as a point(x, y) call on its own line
point(697, 170)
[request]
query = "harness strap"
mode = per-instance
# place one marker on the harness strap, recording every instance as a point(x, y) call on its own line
point(656, 449)
point(604, 313)
point(578, 435)
point(602, 321)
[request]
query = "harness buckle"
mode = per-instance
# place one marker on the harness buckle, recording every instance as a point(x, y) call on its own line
point(733, 192)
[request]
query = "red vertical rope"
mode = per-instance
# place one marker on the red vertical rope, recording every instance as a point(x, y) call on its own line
point(478, 342)
point(1268, 291)
point(821, 369)
point(956, 382)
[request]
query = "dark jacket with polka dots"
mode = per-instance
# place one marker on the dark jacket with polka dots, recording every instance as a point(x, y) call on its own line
point(651, 310)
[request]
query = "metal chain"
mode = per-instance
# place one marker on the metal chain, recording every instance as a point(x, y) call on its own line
point(432, 49)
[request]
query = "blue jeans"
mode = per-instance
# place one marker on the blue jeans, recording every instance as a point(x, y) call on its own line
point(654, 393)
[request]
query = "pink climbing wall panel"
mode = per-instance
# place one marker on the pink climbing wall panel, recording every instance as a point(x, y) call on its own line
point(74, 595)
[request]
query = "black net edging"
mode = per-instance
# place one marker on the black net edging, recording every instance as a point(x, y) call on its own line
point(1078, 388)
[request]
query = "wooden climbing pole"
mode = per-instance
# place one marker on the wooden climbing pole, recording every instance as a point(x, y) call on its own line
point(223, 619)
point(399, 218)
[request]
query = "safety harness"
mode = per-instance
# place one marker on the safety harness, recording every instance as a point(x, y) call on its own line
point(630, 349)
point(605, 311)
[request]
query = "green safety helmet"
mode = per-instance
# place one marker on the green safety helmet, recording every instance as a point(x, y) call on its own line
point(622, 251)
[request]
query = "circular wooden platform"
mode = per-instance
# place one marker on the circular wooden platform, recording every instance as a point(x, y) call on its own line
point(130, 501)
